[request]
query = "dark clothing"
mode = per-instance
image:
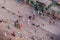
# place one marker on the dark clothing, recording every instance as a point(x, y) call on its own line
point(3, 7)
point(32, 38)
point(1, 21)
point(30, 17)
point(16, 23)
point(13, 34)
point(33, 24)
point(54, 17)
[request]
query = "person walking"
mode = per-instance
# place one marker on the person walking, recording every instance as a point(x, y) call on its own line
point(20, 26)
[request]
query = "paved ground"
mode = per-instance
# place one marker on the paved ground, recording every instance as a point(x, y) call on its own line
point(27, 30)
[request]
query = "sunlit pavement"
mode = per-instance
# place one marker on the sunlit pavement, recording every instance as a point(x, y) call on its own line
point(12, 6)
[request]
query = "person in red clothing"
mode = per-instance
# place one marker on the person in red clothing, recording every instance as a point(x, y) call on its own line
point(54, 17)
point(13, 34)
point(59, 2)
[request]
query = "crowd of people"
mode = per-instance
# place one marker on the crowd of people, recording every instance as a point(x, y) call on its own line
point(18, 25)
